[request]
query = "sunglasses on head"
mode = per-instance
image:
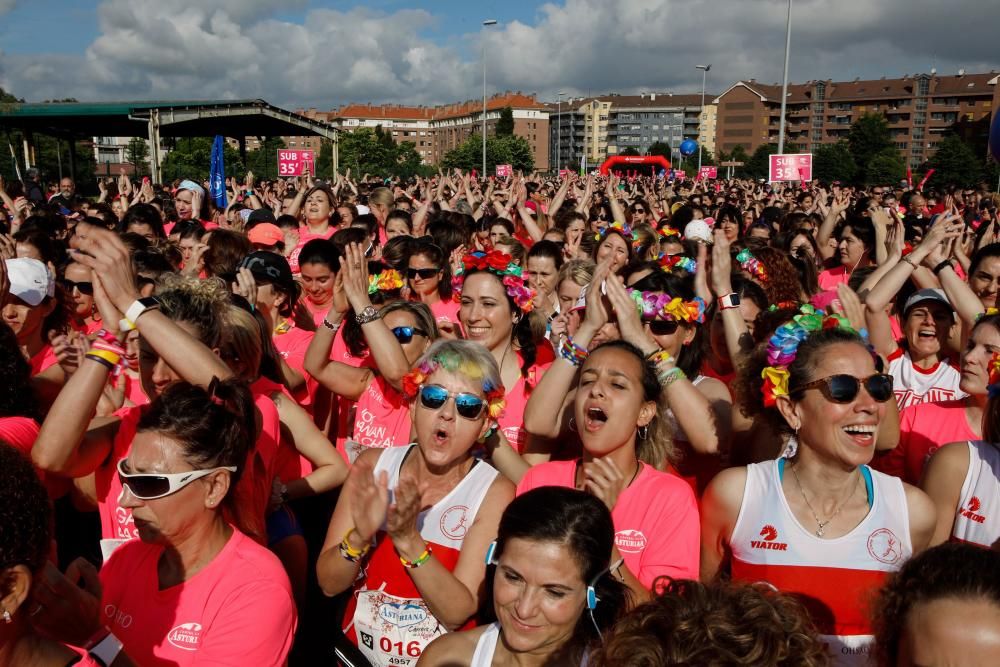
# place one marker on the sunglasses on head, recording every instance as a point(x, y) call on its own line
point(405, 334)
point(84, 287)
point(662, 327)
point(150, 486)
point(467, 405)
point(423, 273)
point(845, 388)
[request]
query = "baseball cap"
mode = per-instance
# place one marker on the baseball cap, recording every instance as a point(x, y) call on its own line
point(269, 267)
point(261, 215)
point(927, 294)
point(266, 233)
point(30, 280)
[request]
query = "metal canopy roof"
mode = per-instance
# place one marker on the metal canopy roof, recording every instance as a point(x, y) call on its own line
point(232, 118)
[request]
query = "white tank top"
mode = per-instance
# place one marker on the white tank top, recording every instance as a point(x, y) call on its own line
point(487, 644)
point(978, 511)
point(913, 385)
point(833, 578)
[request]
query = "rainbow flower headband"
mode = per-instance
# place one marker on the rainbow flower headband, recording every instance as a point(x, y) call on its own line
point(502, 265)
point(670, 262)
point(751, 264)
point(784, 346)
point(669, 233)
point(388, 280)
point(451, 362)
point(621, 228)
point(660, 306)
point(993, 386)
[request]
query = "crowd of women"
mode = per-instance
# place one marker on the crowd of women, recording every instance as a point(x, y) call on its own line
point(519, 421)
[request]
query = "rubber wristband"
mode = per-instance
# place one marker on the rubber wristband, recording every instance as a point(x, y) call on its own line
point(349, 552)
point(104, 362)
point(941, 267)
point(111, 357)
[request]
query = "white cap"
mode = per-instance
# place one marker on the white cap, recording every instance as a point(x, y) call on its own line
point(30, 280)
point(363, 210)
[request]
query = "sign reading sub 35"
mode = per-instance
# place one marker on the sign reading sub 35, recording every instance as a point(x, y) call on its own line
point(295, 163)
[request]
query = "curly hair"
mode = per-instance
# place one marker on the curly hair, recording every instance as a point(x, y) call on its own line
point(950, 570)
point(782, 285)
point(749, 384)
point(17, 394)
point(25, 515)
point(197, 302)
point(721, 624)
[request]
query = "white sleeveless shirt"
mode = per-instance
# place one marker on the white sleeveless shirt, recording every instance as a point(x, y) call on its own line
point(487, 644)
point(977, 517)
point(833, 578)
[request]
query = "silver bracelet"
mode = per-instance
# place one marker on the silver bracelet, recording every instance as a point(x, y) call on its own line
point(331, 326)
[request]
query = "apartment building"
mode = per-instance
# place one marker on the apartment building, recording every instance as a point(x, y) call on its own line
point(919, 108)
point(609, 124)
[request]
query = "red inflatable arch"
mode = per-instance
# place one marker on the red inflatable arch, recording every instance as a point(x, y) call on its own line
point(634, 159)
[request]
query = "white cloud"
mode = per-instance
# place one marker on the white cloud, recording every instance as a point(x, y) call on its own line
point(239, 48)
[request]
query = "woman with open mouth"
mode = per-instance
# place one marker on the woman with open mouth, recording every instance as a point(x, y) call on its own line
point(817, 522)
point(419, 518)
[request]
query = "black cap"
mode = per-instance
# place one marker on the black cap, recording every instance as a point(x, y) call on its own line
point(269, 267)
point(261, 215)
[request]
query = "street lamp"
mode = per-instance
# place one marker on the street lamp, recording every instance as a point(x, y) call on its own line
point(701, 139)
point(559, 133)
point(784, 81)
point(486, 23)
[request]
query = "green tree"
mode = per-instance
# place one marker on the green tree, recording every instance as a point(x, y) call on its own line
point(505, 126)
point(371, 151)
point(834, 162)
point(512, 150)
point(954, 163)
point(660, 148)
point(263, 161)
point(190, 157)
point(869, 136)
point(886, 166)
point(629, 150)
point(137, 154)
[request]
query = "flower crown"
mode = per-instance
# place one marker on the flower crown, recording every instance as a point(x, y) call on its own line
point(993, 384)
point(660, 306)
point(388, 280)
point(751, 264)
point(784, 346)
point(621, 228)
point(669, 233)
point(502, 265)
point(451, 362)
point(670, 262)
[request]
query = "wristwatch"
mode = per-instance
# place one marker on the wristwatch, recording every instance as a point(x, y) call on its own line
point(106, 650)
point(369, 314)
point(727, 301)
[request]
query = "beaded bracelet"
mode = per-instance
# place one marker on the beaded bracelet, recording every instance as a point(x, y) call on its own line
point(572, 352)
point(420, 560)
point(667, 378)
point(350, 553)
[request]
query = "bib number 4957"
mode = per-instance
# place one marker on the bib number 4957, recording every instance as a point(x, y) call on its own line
point(412, 649)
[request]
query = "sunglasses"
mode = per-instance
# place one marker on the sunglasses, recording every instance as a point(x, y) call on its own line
point(405, 334)
point(423, 273)
point(662, 327)
point(147, 486)
point(845, 388)
point(639, 210)
point(84, 287)
point(433, 396)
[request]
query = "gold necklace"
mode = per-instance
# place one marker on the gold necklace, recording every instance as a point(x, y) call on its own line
point(821, 524)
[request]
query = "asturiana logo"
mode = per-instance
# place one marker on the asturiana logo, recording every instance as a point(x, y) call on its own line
point(770, 534)
point(630, 541)
point(185, 636)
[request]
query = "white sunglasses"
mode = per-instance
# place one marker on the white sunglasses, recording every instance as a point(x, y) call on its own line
point(150, 486)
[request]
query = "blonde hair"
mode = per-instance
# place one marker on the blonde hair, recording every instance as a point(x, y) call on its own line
point(580, 271)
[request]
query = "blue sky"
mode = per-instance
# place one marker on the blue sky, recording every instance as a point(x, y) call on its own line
point(324, 53)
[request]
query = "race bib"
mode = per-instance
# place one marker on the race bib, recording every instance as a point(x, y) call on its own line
point(393, 631)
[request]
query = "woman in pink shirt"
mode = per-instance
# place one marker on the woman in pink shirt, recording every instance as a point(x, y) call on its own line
point(615, 412)
point(428, 276)
point(193, 589)
point(79, 289)
point(855, 248)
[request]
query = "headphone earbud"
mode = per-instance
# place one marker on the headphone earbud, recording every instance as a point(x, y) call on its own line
point(491, 554)
point(592, 598)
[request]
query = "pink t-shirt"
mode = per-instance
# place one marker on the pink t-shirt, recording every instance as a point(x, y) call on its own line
point(347, 409)
point(305, 236)
point(511, 420)
point(292, 345)
point(923, 429)
point(382, 417)
point(116, 521)
point(446, 310)
point(44, 358)
point(238, 610)
point(21, 433)
point(656, 520)
point(829, 279)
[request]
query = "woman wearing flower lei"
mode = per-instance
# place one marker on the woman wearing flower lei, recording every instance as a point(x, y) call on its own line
point(495, 303)
point(817, 522)
point(412, 523)
point(397, 334)
point(963, 479)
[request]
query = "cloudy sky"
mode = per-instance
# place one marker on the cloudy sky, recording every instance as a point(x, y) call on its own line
point(323, 53)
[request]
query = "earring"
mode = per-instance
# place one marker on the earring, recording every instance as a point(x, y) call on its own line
point(792, 446)
point(643, 432)
point(6, 617)
point(572, 424)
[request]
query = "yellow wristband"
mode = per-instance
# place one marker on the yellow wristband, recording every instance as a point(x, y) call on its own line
point(106, 355)
point(347, 549)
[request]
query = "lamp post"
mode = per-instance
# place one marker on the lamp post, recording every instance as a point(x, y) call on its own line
point(701, 116)
point(784, 81)
point(559, 133)
point(486, 23)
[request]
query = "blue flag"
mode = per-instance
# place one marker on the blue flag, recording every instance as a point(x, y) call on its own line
point(217, 174)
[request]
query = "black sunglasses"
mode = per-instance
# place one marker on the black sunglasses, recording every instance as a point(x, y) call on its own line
point(845, 388)
point(467, 405)
point(405, 334)
point(662, 327)
point(84, 287)
point(423, 273)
